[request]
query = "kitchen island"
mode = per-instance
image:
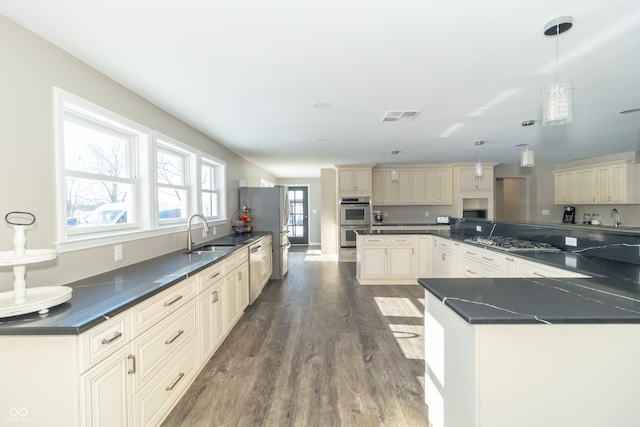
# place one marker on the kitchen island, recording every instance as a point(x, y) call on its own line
point(535, 351)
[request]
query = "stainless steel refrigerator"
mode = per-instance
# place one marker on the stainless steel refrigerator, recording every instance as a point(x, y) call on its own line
point(270, 212)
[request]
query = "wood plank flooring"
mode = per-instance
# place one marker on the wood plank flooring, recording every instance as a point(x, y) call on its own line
point(315, 349)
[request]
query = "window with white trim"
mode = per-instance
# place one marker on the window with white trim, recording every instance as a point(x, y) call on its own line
point(172, 174)
point(212, 185)
point(119, 181)
point(100, 175)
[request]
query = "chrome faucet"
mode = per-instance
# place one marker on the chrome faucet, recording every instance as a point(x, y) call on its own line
point(206, 230)
point(616, 217)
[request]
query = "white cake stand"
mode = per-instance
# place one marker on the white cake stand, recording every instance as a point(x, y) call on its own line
point(22, 300)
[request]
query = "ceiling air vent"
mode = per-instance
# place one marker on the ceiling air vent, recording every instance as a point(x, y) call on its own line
point(394, 116)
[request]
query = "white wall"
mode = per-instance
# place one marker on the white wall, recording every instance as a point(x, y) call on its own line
point(31, 67)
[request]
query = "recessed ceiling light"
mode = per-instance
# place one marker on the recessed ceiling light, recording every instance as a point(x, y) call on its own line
point(479, 142)
point(322, 105)
point(323, 139)
point(632, 110)
point(394, 152)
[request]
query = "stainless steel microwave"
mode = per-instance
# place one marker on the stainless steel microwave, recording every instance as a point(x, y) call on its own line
point(355, 214)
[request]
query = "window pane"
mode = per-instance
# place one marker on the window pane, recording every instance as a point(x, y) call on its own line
point(172, 203)
point(95, 151)
point(170, 168)
point(96, 203)
point(209, 204)
point(207, 177)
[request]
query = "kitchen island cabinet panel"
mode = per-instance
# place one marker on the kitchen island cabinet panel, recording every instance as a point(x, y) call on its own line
point(501, 375)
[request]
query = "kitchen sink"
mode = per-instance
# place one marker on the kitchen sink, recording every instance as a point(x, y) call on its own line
point(220, 247)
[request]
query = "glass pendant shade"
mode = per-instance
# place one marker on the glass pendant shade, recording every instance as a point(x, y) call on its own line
point(526, 159)
point(479, 169)
point(556, 104)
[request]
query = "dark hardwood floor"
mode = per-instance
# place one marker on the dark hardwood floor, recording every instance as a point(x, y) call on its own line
point(316, 349)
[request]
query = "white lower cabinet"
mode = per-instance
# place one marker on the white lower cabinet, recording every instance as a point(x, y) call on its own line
point(386, 259)
point(424, 256)
point(534, 269)
point(131, 369)
point(106, 391)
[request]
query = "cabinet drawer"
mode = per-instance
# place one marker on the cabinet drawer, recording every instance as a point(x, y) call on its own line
point(377, 240)
point(210, 276)
point(243, 255)
point(151, 311)
point(401, 240)
point(103, 340)
point(153, 402)
point(160, 341)
point(230, 262)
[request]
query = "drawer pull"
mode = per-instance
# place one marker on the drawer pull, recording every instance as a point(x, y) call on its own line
point(175, 337)
point(215, 297)
point(471, 253)
point(509, 259)
point(132, 359)
point(176, 299)
point(175, 383)
point(216, 274)
point(487, 258)
point(115, 336)
point(538, 274)
point(471, 271)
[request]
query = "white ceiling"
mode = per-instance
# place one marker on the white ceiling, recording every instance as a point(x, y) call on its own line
point(248, 74)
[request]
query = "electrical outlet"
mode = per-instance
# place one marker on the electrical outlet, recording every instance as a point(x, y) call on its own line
point(571, 241)
point(426, 213)
point(117, 251)
point(214, 230)
point(385, 214)
point(479, 228)
point(204, 233)
point(545, 211)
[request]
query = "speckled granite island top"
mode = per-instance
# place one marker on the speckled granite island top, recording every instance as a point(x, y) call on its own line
point(533, 300)
point(100, 297)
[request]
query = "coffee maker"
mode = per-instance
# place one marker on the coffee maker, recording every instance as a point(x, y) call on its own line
point(569, 216)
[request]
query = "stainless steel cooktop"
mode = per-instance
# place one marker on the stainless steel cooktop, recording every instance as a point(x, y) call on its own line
point(512, 244)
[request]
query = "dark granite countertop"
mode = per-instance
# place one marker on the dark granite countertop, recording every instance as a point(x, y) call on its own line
point(100, 297)
point(611, 295)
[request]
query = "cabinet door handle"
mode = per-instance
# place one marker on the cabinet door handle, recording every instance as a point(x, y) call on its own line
point(132, 359)
point(176, 299)
point(239, 275)
point(444, 257)
point(175, 337)
point(215, 297)
point(175, 382)
point(214, 275)
point(115, 336)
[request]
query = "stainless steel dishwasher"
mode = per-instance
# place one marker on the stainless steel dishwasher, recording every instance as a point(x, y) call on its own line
point(255, 271)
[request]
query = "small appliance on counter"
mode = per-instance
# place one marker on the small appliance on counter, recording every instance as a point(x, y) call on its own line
point(569, 216)
point(377, 217)
point(442, 220)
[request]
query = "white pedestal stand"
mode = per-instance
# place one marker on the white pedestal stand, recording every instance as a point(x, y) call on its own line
point(22, 300)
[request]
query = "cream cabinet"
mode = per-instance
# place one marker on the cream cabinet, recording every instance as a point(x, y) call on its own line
point(563, 187)
point(399, 186)
point(446, 259)
point(378, 187)
point(132, 368)
point(512, 266)
point(384, 259)
point(479, 262)
point(439, 186)
point(535, 269)
point(354, 180)
point(470, 182)
point(604, 183)
point(424, 256)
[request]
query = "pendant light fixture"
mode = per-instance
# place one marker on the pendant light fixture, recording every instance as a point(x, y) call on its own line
point(479, 167)
point(526, 156)
point(556, 98)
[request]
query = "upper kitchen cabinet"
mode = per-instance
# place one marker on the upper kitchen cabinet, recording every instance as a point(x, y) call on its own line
point(439, 186)
point(470, 182)
point(603, 183)
point(354, 180)
point(563, 187)
point(399, 186)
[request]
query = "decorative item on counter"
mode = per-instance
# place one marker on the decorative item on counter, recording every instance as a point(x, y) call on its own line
point(243, 224)
point(22, 300)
